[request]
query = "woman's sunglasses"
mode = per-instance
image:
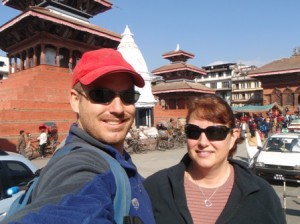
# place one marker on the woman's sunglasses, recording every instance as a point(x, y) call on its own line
point(213, 133)
point(105, 96)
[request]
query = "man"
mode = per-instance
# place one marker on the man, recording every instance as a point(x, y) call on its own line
point(79, 187)
point(21, 144)
point(43, 138)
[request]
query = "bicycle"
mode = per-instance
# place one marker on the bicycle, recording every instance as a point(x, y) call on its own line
point(51, 146)
point(133, 142)
point(165, 140)
point(133, 145)
point(32, 149)
point(179, 138)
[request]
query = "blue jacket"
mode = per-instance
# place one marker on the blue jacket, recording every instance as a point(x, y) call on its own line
point(79, 187)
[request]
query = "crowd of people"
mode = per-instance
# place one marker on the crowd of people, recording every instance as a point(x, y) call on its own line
point(264, 125)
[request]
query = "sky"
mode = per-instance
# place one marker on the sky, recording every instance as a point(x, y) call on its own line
point(253, 32)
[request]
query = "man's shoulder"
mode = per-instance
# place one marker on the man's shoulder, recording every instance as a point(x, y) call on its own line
point(80, 155)
point(73, 167)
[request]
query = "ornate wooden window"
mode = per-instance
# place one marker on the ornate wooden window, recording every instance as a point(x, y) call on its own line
point(287, 97)
point(180, 104)
point(276, 96)
point(171, 104)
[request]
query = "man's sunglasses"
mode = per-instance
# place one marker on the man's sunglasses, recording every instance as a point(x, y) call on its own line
point(213, 133)
point(105, 96)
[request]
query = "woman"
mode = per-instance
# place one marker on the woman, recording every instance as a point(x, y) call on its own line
point(208, 186)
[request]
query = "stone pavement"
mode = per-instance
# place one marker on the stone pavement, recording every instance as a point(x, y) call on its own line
point(147, 163)
point(152, 161)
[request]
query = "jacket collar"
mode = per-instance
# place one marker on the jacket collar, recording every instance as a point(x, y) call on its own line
point(242, 174)
point(243, 186)
point(77, 134)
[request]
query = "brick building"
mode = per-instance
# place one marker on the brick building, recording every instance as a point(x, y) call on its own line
point(280, 81)
point(43, 45)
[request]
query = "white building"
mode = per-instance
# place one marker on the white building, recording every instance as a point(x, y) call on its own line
point(132, 54)
point(4, 66)
point(232, 83)
point(245, 90)
point(218, 78)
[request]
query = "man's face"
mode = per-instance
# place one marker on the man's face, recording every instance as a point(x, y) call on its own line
point(109, 123)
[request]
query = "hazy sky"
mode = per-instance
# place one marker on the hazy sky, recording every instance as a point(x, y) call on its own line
point(254, 32)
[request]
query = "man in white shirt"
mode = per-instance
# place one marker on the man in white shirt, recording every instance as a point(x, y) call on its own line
point(42, 140)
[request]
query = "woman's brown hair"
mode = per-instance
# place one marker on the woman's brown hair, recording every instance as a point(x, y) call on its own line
point(213, 108)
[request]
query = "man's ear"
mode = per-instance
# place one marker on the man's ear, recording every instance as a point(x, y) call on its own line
point(74, 100)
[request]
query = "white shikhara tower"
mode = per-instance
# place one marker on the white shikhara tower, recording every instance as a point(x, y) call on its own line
point(133, 56)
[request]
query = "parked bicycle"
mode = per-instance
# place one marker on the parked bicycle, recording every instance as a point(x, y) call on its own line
point(149, 138)
point(33, 148)
point(165, 140)
point(133, 142)
point(179, 137)
point(51, 146)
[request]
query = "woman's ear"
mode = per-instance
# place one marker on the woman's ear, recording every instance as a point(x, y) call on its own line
point(236, 132)
point(234, 136)
point(74, 100)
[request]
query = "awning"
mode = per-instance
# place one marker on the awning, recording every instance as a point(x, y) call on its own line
point(254, 108)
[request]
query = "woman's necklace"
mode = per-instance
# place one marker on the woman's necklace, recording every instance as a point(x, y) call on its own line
point(207, 201)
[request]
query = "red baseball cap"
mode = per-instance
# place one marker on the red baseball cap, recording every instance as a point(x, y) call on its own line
point(42, 126)
point(97, 63)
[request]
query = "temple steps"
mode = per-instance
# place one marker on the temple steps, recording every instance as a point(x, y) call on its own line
point(31, 97)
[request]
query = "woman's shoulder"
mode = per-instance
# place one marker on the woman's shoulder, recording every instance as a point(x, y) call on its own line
point(246, 175)
point(159, 175)
point(164, 176)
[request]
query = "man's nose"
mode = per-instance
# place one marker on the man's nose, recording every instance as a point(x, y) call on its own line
point(116, 105)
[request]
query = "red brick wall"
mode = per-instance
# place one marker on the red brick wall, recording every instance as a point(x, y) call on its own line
point(31, 97)
point(164, 115)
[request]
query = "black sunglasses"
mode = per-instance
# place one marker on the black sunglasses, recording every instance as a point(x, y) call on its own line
point(105, 96)
point(213, 133)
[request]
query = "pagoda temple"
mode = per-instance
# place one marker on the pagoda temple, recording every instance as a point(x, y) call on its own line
point(43, 45)
point(176, 85)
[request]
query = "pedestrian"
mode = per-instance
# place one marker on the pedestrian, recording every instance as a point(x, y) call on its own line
point(79, 187)
point(21, 147)
point(42, 139)
point(244, 128)
point(208, 186)
point(264, 128)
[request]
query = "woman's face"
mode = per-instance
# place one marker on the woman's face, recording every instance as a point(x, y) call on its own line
point(207, 154)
